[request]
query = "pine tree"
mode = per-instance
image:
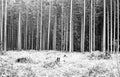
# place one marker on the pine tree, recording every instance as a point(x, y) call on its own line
point(111, 26)
point(26, 38)
point(5, 27)
point(90, 35)
point(49, 25)
point(94, 12)
point(1, 26)
point(37, 36)
point(71, 28)
point(41, 26)
point(114, 26)
point(83, 29)
point(62, 27)
point(118, 22)
point(104, 27)
point(108, 29)
point(54, 34)
point(19, 29)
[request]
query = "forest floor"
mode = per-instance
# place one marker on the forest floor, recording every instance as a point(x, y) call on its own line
point(57, 64)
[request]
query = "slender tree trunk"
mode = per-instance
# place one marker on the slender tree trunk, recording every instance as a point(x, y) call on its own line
point(118, 22)
point(41, 27)
point(94, 12)
point(108, 29)
point(2, 26)
point(54, 34)
point(49, 26)
point(37, 36)
point(11, 18)
point(44, 38)
point(5, 27)
point(91, 27)
point(26, 38)
point(71, 28)
point(83, 29)
point(19, 30)
point(114, 26)
point(104, 27)
point(62, 28)
point(111, 26)
point(12, 32)
point(67, 33)
point(32, 39)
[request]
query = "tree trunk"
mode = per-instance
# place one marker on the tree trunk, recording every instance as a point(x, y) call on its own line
point(41, 28)
point(94, 12)
point(1, 27)
point(54, 34)
point(91, 27)
point(37, 36)
point(26, 38)
point(114, 45)
point(19, 30)
point(111, 27)
point(49, 26)
point(83, 29)
point(71, 28)
point(104, 27)
point(108, 30)
point(62, 26)
point(5, 27)
point(67, 34)
point(118, 22)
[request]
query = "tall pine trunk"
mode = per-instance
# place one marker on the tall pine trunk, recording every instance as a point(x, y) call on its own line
point(71, 28)
point(41, 27)
point(54, 33)
point(19, 30)
point(62, 26)
point(83, 29)
point(37, 36)
point(114, 45)
point(90, 35)
point(94, 12)
point(108, 29)
point(49, 26)
point(5, 27)
point(118, 22)
point(104, 27)
point(26, 38)
point(111, 26)
point(1, 26)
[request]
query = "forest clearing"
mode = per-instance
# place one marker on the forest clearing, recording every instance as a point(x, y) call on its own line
point(59, 38)
point(45, 64)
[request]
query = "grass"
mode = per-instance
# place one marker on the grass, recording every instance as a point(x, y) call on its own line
point(56, 64)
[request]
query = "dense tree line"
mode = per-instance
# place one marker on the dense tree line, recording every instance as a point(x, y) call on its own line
point(67, 25)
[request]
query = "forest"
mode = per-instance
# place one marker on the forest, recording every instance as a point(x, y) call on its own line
point(59, 25)
point(60, 35)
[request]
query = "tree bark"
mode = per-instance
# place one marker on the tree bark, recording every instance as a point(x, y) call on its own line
point(54, 34)
point(104, 28)
point(19, 30)
point(108, 29)
point(83, 29)
point(71, 28)
point(91, 27)
point(114, 45)
point(118, 22)
point(1, 26)
point(37, 36)
point(5, 27)
point(111, 26)
point(41, 28)
point(94, 12)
